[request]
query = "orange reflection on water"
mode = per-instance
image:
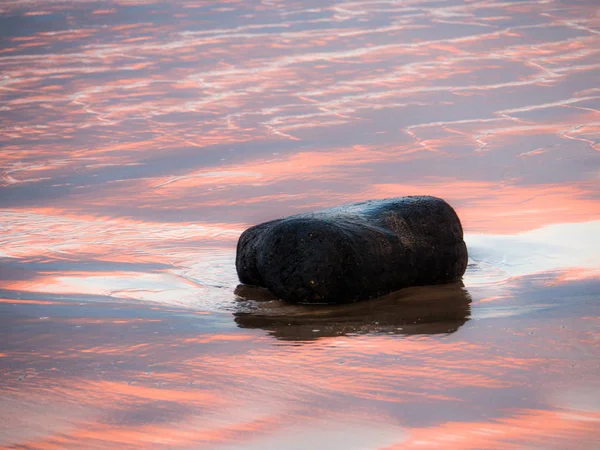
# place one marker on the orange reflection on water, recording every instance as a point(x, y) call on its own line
point(92, 235)
point(191, 434)
point(525, 428)
point(577, 274)
point(31, 302)
point(487, 207)
point(140, 138)
point(182, 391)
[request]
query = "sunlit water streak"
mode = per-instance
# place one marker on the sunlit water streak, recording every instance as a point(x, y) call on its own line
point(139, 139)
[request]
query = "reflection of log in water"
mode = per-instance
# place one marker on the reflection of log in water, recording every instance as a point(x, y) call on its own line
point(418, 310)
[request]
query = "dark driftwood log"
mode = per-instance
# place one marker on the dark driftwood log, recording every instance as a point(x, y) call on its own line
point(356, 251)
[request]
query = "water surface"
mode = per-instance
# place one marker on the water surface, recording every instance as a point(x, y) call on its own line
point(140, 138)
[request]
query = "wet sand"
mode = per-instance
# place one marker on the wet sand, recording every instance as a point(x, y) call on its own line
point(139, 139)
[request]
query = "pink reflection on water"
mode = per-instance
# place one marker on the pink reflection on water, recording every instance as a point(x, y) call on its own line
point(140, 138)
point(521, 429)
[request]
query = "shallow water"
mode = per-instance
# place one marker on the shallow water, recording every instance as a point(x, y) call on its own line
point(139, 139)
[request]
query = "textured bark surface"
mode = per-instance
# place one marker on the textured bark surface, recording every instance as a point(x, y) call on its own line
point(355, 251)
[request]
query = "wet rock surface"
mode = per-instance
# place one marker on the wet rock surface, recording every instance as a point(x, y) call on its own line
point(356, 251)
point(425, 310)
